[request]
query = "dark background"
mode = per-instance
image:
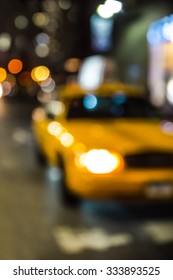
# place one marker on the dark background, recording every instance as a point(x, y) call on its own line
point(74, 35)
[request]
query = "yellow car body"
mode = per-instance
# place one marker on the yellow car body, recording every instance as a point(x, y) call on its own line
point(108, 158)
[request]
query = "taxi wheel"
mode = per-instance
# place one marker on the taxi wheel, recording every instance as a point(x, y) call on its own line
point(68, 198)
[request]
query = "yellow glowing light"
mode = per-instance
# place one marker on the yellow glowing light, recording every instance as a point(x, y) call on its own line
point(81, 160)
point(40, 73)
point(33, 74)
point(79, 152)
point(15, 66)
point(66, 139)
point(101, 161)
point(3, 74)
point(38, 114)
point(55, 128)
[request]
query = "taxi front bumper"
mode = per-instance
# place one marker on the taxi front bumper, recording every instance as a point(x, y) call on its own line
point(155, 184)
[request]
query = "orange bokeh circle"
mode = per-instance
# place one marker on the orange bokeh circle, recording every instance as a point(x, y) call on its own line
point(15, 66)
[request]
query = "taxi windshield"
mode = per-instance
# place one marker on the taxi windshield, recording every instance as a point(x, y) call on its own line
point(117, 106)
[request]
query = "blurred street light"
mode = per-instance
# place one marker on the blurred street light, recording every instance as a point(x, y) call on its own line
point(109, 8)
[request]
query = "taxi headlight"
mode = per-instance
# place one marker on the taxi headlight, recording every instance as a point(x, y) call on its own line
point(101, 161)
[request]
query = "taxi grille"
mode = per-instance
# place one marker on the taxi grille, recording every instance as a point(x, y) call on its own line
point(150, 160)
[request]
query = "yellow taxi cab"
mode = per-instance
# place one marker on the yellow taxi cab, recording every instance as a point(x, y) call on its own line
point(111, 143)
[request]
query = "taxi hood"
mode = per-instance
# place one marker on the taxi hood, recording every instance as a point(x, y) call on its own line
point(125, 136)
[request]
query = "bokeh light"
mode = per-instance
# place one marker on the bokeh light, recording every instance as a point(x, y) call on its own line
point(40, 73)
point(3, 74)
point(167, 127)
point(66, 139)
point(15, 66)
point(5, 42)
point(42, 38)
point(92, 72)
point(38, 114)
point(109, 8)
point(40, 19)
point(48, 85)
point(56, 107)
point(21, 22)
point(65, 4)
point(104, 12)
point(50, 6)
point(55, 128)
point(42, 50)
point(7, 88)
point(43, 97)
point(72, 65)
point(90, 102)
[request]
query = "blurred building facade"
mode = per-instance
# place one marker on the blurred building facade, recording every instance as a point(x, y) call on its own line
point(50, 32)
point(130, 46)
